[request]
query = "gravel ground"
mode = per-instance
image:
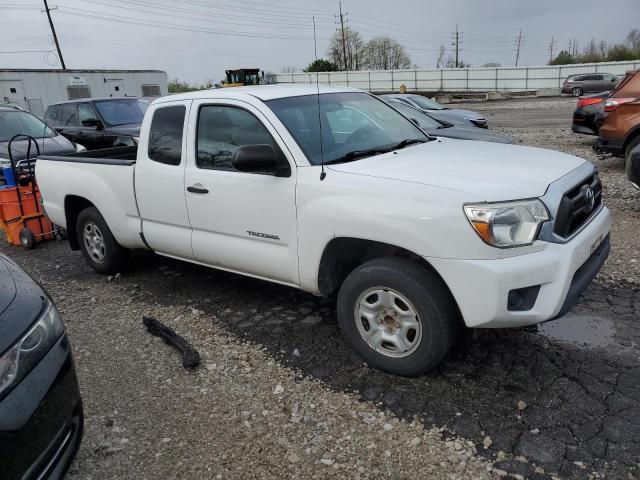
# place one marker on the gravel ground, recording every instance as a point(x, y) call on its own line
point(279, 394)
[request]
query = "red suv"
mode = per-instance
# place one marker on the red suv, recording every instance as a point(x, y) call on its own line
point(620, 130)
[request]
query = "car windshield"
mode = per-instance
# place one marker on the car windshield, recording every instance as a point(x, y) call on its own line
point(17, 122)
point(352, 122)
point(424, 120)
point(426, 103)
point(121, 112)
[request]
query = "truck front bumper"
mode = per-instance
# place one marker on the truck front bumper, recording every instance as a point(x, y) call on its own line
point(555, 276)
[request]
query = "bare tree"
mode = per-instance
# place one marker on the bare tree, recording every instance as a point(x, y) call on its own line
point(384, 53)
point(289, 69)
point(634, 39)
point(347, 56)
point(440, 63)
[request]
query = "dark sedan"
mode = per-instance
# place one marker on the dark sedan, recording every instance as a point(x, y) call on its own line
point(589, 113)
point(463, 118)
point(99, 122)
point(438, 128)
point(41, 417)
point(14, 121)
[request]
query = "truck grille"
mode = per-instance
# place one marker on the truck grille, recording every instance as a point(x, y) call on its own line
point(577, 206)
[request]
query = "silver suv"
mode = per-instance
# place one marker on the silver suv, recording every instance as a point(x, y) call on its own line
point(577, 85)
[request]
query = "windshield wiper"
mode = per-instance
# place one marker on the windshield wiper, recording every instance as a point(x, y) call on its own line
point(356, 154)
point(408, 141)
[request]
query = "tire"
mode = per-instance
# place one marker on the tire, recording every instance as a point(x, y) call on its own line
point(99, 248)
point(632, 145)
point(577, 91)
point(27, 239)
point(422, 340)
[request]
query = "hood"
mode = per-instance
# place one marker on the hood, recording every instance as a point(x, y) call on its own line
point(51, 146)
point(475, 133)
point(21, 301)
point(488, 171)
point(465, 114)
point(130, 129)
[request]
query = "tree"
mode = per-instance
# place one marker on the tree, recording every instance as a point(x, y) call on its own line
point(352, 46)
point(451, 63)
point(384, 53)
point(177, 86)
point(492, 64)
point(563, 58)
point(321, 65)
point(633, 39)
point(619, 53)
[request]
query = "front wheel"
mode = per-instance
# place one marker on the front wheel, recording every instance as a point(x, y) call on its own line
point(397, 315)
point(98, 245)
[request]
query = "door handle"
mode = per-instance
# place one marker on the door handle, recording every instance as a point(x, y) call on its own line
point(199, 190)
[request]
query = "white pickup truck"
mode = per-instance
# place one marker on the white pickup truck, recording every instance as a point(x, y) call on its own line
point(333, 191)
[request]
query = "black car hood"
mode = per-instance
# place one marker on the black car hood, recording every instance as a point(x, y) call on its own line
point(50, 146)
point(21, 301)
point(473, 133)
point(130, 129)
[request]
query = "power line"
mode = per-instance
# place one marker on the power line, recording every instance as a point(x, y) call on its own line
point(55, 37)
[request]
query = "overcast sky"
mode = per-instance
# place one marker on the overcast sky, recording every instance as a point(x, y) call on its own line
point(196, 40)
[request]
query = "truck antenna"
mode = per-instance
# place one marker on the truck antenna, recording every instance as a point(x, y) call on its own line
point(323, 174)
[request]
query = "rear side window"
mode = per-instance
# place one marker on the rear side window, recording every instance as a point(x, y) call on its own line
point(68, 115)
point(52, 113)
point(165, 136)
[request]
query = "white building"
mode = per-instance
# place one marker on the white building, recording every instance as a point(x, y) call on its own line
point(36, 89)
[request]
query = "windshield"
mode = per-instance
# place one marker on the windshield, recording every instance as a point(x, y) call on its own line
point(16, 122)
point(426, 103)
point(352, 121)
point(121, 112)
point(424, 120)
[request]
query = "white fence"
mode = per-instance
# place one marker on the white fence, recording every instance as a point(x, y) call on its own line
point(459, 79)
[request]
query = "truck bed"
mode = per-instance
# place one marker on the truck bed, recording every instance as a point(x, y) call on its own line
point(125, 156)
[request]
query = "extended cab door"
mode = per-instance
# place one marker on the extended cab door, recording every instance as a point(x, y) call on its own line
point(159, 179)
point(245, 222)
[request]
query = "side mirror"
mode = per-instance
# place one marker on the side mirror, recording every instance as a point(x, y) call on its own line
point(613, 79)
point(260, 159)
point(92, 122)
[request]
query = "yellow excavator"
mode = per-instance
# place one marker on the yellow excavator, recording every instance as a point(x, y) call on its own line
point(243, 76)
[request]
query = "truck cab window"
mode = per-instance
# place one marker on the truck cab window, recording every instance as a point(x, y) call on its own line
point(221, 130)
point(165, 136)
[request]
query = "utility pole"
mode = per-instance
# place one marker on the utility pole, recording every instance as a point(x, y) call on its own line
point(55, 37)
point(569, 51)
point(552, 44)
point(519, 42)
point(315, 39)
point(457, 40)
point(344, 41)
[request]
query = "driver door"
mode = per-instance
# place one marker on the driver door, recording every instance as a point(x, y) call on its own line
point(244, 222)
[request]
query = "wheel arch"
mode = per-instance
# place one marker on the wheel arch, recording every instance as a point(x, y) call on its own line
point(342, 255)
point(630, 137)
point(73, 205)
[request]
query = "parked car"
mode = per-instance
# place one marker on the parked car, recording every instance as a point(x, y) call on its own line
point(438, 128)
point(337, 192)
point(577, 85)
point(15, 121)
point(633, 167)
point(589, 112)
point(439, 112)
point(620, 130)
point(41, 417)
point(99, 122)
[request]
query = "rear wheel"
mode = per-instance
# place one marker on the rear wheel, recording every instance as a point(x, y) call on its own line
point(577, 91)
point(632, 145)
point(397, 315)
point(98, 245)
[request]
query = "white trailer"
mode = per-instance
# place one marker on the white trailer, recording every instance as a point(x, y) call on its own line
point(36, 89)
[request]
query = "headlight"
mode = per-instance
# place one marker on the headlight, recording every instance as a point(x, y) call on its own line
point(16, 362)
point(508, 224)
